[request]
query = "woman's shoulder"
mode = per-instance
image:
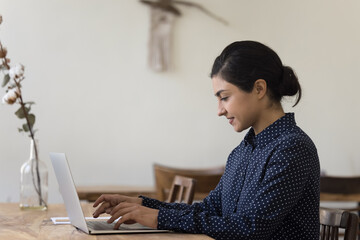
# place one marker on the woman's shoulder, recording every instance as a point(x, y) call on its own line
point(296, 137)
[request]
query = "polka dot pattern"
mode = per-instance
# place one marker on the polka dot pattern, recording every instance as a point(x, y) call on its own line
point(270, 190)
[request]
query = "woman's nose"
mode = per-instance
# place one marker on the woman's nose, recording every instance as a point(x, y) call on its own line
point(221, 110)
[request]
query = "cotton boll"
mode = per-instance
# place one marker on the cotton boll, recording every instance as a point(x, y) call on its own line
point(11, 96)
point(17, 71)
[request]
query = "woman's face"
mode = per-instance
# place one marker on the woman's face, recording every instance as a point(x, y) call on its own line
point(240, 107)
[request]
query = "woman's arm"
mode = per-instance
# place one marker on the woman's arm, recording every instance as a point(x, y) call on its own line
point(211, 204)
point(145, 210)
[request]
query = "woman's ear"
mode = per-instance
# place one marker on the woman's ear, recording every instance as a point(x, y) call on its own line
point(260, 88)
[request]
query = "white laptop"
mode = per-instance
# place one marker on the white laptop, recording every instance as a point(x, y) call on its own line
point(73, 207)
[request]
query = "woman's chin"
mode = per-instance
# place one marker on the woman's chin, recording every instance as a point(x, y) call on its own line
point(239, 128)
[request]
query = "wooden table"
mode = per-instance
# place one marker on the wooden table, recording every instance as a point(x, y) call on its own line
point(32, 224)
point(91, 193)
point(340, 197)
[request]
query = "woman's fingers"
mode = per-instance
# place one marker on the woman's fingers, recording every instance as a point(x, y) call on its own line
point(120, 206)
point(132, 212)
point(108, 210)
point(130, 222)
point(107, 201)
point(126, 218)
point(117, 206)
point(120, 210)
point(99, 200)
point(112, 200)
point(102, 209)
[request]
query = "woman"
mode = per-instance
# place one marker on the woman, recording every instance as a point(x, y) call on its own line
point(270, 188)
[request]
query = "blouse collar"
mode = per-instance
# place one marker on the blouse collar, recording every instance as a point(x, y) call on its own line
point(278, 127)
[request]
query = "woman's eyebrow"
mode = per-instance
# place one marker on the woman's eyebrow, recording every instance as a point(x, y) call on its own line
point(217, 94)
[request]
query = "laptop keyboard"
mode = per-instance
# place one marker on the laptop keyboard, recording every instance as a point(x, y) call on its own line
point(102, 225)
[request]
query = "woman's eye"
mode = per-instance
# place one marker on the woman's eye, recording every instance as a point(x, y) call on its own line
point(224, 98)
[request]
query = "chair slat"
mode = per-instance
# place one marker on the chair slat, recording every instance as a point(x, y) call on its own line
point(327, 232)
point(333, 219)
point(322, 232)
point(333, 233)
point(182, 190)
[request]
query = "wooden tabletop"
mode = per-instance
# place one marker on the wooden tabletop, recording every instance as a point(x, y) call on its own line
point(91, 193)
point(340, 197)
point(34, 224)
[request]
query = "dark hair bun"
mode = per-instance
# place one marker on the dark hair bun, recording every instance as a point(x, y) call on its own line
point(290, 85)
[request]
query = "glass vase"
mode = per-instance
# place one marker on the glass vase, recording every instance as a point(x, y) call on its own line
point(34, 181)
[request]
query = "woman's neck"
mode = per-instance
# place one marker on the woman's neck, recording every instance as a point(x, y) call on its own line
point(267, 117)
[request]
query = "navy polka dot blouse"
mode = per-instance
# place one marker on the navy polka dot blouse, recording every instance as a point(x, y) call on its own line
point(270, 190)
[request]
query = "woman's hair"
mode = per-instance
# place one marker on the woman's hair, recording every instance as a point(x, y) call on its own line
point(242, 63)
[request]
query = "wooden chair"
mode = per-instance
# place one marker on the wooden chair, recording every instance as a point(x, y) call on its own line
point(333, 219)
point(206, 180)
point(335, 188)
point(182, 190)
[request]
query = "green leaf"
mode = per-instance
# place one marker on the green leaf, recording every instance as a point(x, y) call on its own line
point(20, 129)
point(3, 67)
point(29, 103)
point(20, 113)
point(6, 80)
point(31, 118)
point(25, 127)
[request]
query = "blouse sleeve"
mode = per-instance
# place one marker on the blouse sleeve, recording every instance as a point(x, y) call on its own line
point(211, 204)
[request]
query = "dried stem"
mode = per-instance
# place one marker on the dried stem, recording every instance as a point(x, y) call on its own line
point(22, 104)
point(38, 187)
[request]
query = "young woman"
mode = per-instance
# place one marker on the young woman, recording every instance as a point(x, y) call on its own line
point(270, 188)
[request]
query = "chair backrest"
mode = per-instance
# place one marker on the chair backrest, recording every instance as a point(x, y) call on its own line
point(182, 190)
point(333, 219)
point(340, 185)
point(206, 179)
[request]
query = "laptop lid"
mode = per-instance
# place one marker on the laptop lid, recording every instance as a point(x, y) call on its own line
point(68, 191)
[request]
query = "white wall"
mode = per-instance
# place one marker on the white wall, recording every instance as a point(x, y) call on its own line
point(98, 101)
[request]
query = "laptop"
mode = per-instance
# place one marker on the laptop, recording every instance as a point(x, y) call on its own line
point(73, 207)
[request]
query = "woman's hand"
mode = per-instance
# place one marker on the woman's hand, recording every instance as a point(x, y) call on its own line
point(132, 212)
point(109, 201)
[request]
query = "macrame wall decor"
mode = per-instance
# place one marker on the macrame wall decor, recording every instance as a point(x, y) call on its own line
point(163, 13)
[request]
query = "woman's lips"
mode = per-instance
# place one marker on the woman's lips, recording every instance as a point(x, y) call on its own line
point(231, 120)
